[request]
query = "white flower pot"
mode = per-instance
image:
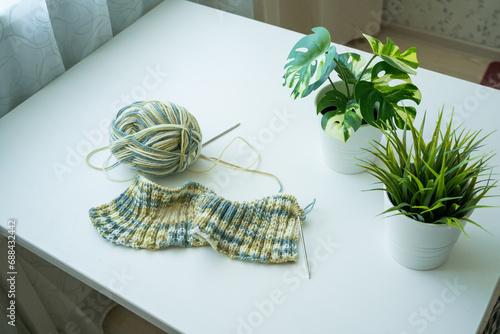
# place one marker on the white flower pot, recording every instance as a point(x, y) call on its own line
point(417, 245)
point(341, 156)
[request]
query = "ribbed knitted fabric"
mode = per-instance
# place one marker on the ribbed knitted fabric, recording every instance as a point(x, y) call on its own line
point(151, 216)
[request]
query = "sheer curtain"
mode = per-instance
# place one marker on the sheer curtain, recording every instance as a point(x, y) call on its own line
point(238, 7)
point(40, 39)
point(48, 300)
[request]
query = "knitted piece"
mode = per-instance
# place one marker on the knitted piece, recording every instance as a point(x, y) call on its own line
point(264, 230)
point(148, 215)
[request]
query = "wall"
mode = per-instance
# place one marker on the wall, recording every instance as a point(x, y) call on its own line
point(475, 21)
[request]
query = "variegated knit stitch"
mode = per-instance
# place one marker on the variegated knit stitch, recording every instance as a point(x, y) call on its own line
point(148, 215)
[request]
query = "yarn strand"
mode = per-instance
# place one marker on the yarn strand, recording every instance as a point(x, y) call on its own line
point(87, 159)
point(219, 162)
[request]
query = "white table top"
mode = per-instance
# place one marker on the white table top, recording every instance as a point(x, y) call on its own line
point(227, 69)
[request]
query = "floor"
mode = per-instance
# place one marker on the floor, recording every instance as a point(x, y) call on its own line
point(466, 64)
point(122, 321)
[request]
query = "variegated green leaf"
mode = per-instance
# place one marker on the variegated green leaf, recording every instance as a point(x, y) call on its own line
point(334, 101)
point(331, 122)
point(390, 53)
point(350, 67)
point(352, 122)
point(343, 118)
point(378, 100)
point(404, 115)
point(309, 63)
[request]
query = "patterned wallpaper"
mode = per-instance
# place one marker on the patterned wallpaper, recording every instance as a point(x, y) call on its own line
point(476, 21)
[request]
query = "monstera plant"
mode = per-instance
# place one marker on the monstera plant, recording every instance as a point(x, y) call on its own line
point(373, 94)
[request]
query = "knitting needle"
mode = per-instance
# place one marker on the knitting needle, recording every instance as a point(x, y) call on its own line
point(221, 134)
point(304, 247)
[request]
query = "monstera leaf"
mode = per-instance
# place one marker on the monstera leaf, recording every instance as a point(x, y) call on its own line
point(350, 67)
point(334, 101)
point(382, 104)
point(341, 116)
point(309, 63)
point(390, 53)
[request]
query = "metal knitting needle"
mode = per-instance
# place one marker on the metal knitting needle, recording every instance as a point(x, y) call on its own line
point(304, 247)
point(221, 134)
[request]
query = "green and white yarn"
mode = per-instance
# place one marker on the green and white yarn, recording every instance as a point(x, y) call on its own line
point(150, 216)
point(154, 137)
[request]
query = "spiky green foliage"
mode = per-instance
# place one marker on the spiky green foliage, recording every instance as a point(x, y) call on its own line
point(439, 181)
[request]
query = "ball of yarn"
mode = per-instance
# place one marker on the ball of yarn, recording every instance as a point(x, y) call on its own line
point(155, 137)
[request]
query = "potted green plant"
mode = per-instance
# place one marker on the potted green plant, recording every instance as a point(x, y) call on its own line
point(366, 95)
point(431, 188)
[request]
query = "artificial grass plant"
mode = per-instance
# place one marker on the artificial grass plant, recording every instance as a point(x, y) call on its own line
point(440, 181)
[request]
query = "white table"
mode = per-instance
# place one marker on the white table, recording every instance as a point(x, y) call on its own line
point(227, 69)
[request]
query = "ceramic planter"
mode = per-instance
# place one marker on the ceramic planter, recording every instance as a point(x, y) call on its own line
point(417, 245)
point(341, 156)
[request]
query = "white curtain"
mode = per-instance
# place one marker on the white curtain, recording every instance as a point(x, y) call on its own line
point(345, 20)
point(40, 39)
point(47, 300)
point(238, 7)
